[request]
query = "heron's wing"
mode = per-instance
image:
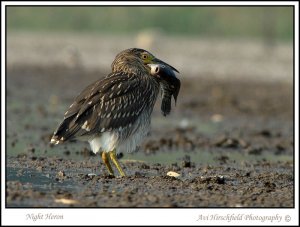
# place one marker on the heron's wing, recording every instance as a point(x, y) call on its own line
point(110, 103)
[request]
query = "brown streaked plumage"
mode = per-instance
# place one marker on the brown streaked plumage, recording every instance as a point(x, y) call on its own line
point(114, 113)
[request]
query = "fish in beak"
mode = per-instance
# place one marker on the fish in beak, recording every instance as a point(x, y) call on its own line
point(169, 84)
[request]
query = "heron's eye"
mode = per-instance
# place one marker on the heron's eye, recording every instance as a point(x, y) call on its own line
point(144, 56)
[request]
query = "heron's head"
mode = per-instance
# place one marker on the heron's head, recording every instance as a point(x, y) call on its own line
point(135, 60)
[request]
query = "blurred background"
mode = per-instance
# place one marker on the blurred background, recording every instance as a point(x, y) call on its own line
point(223, 42)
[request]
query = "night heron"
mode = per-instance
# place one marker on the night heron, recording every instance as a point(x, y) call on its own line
point(114, 113)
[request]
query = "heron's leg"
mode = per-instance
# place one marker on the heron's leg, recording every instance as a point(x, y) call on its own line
point(113, 157)
point(105, 159)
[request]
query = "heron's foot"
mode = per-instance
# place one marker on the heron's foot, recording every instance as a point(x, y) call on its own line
point(105, 159)
point(113, 157)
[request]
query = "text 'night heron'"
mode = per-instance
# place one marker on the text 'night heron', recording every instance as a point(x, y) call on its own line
point(114, 113)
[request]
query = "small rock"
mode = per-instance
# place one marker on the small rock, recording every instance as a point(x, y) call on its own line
point(138, 174)
point(279, 149)
point(66, 201)
point(220, 180)
point(186, 162)
point(152, 198)
point(20, 172)
point(173, 174)
point(22, 155)
point(243, 143)
point(265, 133)
point(31, 149)
point(144, 166)
point(67, 152)
point(120, 155)
point(223, 159)
point(86, 152)
point(61, 174)
point(13, 143)
point(174, 167)
point(184, 123)
point(231, 143)
point(255, 151)
point(269, 186)
point(217, 118)
point(225, 142)
point(163, 141)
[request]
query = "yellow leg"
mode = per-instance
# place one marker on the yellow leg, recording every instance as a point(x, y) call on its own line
point(105, 159)
point(113, 157)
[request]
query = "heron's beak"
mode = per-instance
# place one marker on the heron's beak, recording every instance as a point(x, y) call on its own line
point(167, 78)
point(158, 61)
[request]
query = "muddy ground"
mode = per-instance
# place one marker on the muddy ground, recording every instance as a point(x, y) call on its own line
point(231, 142)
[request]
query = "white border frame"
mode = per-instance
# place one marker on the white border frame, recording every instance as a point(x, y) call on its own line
point(149, 216)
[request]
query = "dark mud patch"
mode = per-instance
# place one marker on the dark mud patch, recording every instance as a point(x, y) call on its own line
point(86, 184)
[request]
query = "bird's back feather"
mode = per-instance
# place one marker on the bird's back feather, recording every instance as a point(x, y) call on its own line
point(108, 104)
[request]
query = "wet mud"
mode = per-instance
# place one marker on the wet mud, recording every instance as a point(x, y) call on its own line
point(229, 143)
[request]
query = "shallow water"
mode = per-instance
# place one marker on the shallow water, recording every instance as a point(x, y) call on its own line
point(206, 157)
